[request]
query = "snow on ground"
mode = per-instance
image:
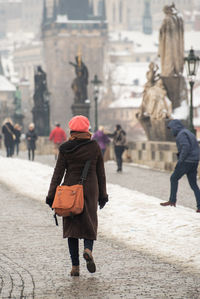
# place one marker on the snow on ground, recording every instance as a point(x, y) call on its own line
point(130, 216)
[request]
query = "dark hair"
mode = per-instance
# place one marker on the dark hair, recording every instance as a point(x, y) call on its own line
point(118, 127)
point(57, 125)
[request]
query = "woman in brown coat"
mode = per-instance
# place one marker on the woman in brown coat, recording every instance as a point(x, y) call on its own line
point(72, 157)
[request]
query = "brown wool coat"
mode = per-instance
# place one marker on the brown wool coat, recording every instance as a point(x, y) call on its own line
point(71, 160)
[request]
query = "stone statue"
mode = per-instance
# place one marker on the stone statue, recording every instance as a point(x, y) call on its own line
point(155, 104)
point(171, 42)
point(41, 109)
point(79, 84)
point(41, 91)
point(18, 101)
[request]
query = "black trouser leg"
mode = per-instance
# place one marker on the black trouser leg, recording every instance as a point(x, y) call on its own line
point(179, 171)
point(88, 244)
point(17, 148)
point(7, 151)
point(118, 152)
point(74, 251)
point(33, 154)
point(29, 154)
point(192, 179)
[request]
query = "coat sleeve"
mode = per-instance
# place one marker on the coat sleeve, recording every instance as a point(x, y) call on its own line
point(184, 147)
point(103, 196)
point(51, 135)
point(59, 171)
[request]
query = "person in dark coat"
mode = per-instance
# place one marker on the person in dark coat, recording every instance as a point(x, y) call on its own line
point(119, 141)
point(9, 136)
point(188, 160)
point(71, 159)
point(31, 138)
point(101, 138)
point(17, 130)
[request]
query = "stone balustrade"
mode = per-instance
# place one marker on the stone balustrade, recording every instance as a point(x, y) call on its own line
point(157, 155)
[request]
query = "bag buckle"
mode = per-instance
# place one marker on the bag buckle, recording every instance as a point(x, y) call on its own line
point(81, 181)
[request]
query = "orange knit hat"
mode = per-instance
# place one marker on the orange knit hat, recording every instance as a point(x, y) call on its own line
point(79, 123)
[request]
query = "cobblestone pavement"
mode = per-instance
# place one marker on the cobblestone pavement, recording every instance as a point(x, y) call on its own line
point(34, 260)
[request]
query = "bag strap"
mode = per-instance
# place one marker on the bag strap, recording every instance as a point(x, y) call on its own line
point(85, 171)
point(9, 130)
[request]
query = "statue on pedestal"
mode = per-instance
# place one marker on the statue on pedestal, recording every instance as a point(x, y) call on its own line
point(171, 42)
point(18, 101)
point(79, 84)
point(166, 91)
point(41, 103)
point(156, 108)
point(171, 53)
point(155, 104)
point(18, 115)
point(41, 90)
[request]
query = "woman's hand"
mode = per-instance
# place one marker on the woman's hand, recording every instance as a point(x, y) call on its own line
point(49, 201)
point(102, 202)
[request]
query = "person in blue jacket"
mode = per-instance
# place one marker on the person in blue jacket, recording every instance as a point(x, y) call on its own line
point(188, 160)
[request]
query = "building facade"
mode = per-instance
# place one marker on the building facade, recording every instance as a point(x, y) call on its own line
point(129, 14)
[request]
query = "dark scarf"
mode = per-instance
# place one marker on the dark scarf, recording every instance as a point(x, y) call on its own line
point(80, 135)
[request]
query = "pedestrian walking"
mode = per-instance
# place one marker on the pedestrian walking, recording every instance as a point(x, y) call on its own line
point(58, 136)
point(9, 136)
point(31, 138)
point(101, 138)
point(188, 160)
point(72, 157)
point(119, 141)
point(17, 131)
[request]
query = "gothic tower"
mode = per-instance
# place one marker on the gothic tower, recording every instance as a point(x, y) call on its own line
point(71, 29)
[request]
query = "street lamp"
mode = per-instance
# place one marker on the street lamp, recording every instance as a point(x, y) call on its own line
point(191, 64)
point(96, 82)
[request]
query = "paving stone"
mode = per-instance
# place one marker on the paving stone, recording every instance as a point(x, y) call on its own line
point(34, 261)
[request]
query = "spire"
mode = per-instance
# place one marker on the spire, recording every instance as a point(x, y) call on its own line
point(103, 10)
point(91, 9)
point(44, 19)
point(61, 7)
point(54, 10)
point(147, 18)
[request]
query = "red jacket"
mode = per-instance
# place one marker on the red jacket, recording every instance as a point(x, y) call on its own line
point(58, 135)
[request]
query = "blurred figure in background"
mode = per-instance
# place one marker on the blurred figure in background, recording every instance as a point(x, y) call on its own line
point(58, 136)
point(101, 138)
point(17, 131)
point(31, 138)
point(9, 136)
point(119, 141)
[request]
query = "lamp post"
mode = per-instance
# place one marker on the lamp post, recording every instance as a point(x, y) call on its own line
point(191, 64)
point(96, 82)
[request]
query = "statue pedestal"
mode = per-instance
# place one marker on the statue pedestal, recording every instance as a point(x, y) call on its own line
point(156, 129)
point(41, 120)
point(81, 109)
point(18, 119)
point(176, 90)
